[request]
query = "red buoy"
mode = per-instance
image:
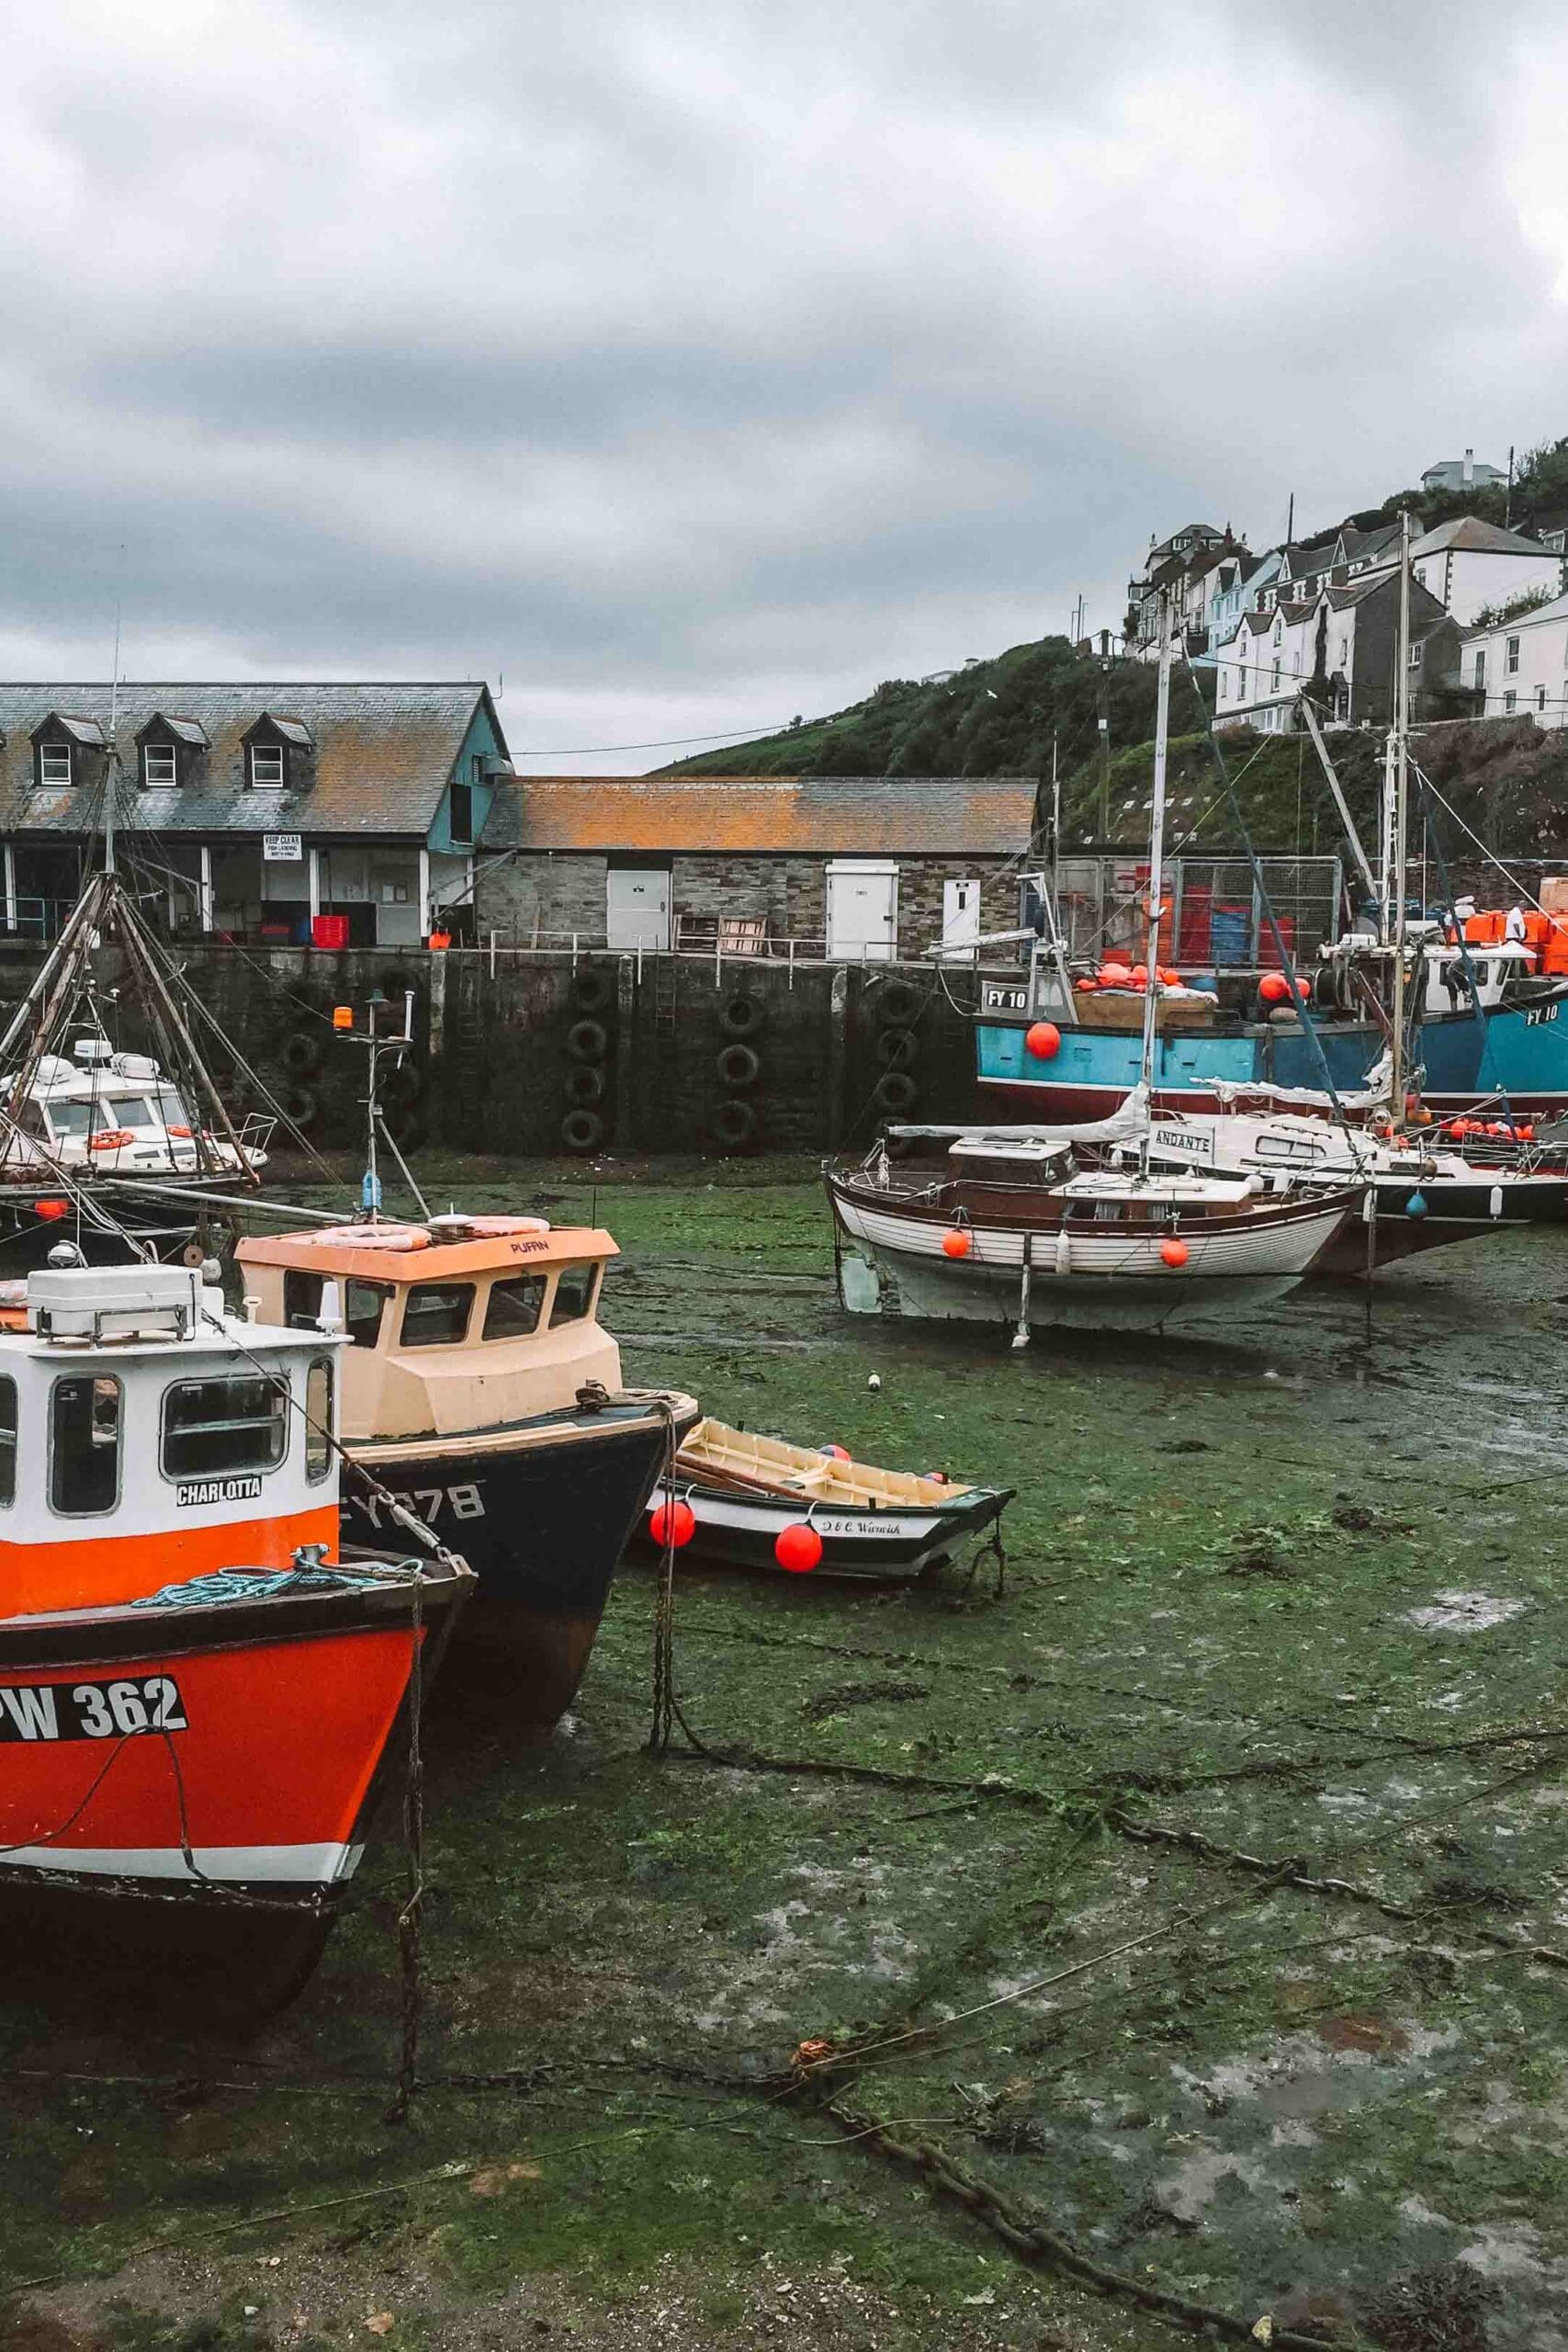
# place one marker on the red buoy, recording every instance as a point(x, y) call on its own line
point(1042, 1039)
point(835, 1453)
point(672, 1523)
point(52, 1211)
point(1174, 1252)
point(1273, 987)
point(956, 1244)
point(798, 1548)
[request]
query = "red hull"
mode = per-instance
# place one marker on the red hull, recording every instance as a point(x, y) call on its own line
point(228, 1747)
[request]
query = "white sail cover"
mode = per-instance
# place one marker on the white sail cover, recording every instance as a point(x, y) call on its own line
point(1121, 1126)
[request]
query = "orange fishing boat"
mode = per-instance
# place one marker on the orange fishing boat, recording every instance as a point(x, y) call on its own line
point(197, 1691)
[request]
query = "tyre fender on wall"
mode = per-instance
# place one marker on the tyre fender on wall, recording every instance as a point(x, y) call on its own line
point(734, 1123)
point(737, 1066)
point(586, 1041)
point(741, 1016)
point(581, 1130)
point(584, 1084)
point(592, 990)
point(895, 1091)
point(897, 1004)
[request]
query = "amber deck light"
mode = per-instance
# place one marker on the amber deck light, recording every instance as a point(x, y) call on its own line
point(342, 1016)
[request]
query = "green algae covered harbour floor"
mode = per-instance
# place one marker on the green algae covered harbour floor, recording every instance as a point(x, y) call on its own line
point(1204, 1894)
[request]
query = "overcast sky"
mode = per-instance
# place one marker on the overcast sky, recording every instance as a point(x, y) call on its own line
point(696, 365)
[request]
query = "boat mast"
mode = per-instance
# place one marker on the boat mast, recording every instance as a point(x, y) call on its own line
point(1401, 813)
point(1156, 859)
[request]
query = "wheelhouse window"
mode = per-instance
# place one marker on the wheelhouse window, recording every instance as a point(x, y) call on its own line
point(54, 764)
point(435, 1314)
point(301, 1299)
point(266, 767)
point(575, 1288)
point(513, 1308)
point(8, 1439)
point(213, 1427)
point(160, 765)
point(83, 1446)
point(363, 1305)
point(319, 1419)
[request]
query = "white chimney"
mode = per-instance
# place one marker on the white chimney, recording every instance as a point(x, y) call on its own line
point(1469, 467)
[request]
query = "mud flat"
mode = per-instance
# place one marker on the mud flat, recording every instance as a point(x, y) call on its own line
point(1203, 1896)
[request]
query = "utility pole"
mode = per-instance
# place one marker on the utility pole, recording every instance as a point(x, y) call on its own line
point(1104, 750)
point(1290, 520)
point(1508, 502)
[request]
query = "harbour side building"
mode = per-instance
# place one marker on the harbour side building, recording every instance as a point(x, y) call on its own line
point(282, 815)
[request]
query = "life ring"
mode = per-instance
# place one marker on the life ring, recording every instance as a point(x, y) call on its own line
point(581, 1130)
point(586, 1041)
point(584, 1083)
point(302, 1053)
point(897, 1004)
point(741, 1016)
point(592, 990)
point(738, 1065)
point(894, 1090)
point(734, 1122)
point(898, 1048)
point(300, 1106)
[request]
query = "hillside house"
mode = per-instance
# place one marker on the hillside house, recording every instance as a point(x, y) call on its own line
point(1462, 473)
point(252, 812)
point(1520, 666)
point(1471, 567)
point(1340, 647)
point(860, 869)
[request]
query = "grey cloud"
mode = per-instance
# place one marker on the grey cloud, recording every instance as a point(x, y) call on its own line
point(699, 353)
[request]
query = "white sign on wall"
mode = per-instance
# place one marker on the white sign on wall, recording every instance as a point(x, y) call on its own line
point(283, 849)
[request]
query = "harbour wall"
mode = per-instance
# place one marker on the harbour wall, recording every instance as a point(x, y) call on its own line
point(536, 1052)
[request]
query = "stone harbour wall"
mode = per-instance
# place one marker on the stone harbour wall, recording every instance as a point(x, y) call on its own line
point(656, 1054)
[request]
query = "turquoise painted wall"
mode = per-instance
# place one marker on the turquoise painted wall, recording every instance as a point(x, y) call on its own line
point(484, 740)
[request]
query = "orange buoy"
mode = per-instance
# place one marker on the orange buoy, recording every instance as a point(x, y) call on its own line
point(798, 1548)
point(1174, 1251)
point(835, 1453)
point(957, 1243)
point(1273, 987)
point(52, 1211)
point(1169, 978)
point(1114, 976)
point(1042, 1039)
point(1086, 986)
point(674, 1523)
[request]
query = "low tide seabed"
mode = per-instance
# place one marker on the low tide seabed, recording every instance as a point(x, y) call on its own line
point(1293, 1595)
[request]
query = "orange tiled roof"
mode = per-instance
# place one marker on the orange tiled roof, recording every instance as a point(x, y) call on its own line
point(816, 815)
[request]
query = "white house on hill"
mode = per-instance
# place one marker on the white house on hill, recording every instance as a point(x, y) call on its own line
point(1521, 665)
point(1471, 566)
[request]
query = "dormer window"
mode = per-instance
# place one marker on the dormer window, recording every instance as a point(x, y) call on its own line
point(277, 753)
point(58, 745)
point(160, 766)
point(54, 764)
point(168, 748)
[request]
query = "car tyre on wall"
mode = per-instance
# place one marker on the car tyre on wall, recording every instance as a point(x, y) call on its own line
point(584, 1083)
point(895, 1091)
point(738, 1065)
point(582, 1130)
point(734, 1123)
point(586, 1041)
point(592, 990)
point(741, 1016)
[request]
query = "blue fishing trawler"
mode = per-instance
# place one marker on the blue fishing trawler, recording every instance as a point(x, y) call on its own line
point(1489, 1028)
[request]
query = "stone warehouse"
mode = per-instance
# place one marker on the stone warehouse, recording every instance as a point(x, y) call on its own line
point(855, 869)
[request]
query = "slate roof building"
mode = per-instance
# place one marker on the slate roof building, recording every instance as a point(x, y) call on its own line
point(255, 810)
point(857, 868)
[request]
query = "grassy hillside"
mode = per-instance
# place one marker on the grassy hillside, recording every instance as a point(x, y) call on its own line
point(995, 717)
point(1001, 717)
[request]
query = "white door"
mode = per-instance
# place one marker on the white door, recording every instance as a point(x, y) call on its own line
point(960, 915)
point(637, 906)
point(862, 912)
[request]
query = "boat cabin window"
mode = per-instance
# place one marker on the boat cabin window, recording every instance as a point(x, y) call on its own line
point(435, 1314)
point(7, 1439)
point(301, 1299)
point(211, 1427)
point(318, 1419)
point(514, 1306)
point(31, 1122)
point(1295, 1148)
point(83, 1446)
point(362, 1307)
point(575, 1287)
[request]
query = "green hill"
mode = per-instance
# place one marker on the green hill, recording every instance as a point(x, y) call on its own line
point(1002, 717)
